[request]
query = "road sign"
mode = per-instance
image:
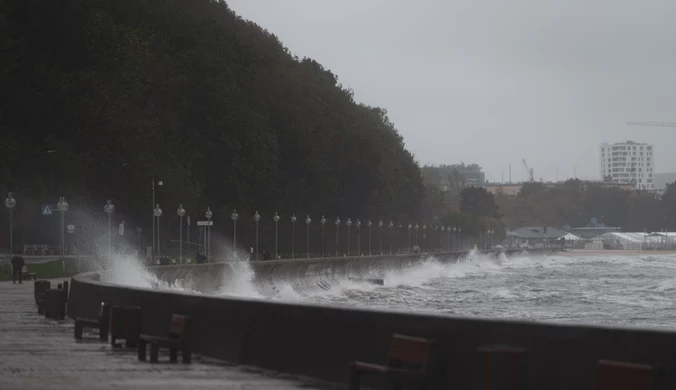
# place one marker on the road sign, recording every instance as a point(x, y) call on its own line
point(205, 223)
point(71, 229)
point(122, 228)
point(46, 210)
point(138, 229)
point(188, 220)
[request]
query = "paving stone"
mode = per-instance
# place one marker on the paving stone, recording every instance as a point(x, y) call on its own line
point(39, 353)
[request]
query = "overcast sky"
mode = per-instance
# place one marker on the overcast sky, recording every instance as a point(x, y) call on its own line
point(494, 81)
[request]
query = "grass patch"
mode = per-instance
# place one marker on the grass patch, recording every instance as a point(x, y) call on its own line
point(49, 270)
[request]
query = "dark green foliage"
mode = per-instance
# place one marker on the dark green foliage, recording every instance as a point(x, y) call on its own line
point(187, 92)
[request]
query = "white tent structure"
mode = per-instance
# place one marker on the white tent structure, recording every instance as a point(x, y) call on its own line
point(571, 237)
point(633, 241)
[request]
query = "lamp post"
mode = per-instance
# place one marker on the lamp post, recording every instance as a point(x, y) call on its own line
point(208, 214)
point(293, 235)
point(307, 224)
point(10, 202)
point(391, 225)
point(109, 208)
point(454, 237)
point(337, 231)
point(380, 236)
point(416, 233)
point(159, 184)
point(181, 213)
point(234, 217)
point(276, 219)
point(459, 238)
point(409, 235)
point(369, 225)
point(424, 237)
point(257, 217)
point(358, 237)
point(62, 206)
point(323, 222)
point(348, 224)
point(157, 212)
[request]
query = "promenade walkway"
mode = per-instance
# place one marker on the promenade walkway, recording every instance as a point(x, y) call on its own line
point(38, 353)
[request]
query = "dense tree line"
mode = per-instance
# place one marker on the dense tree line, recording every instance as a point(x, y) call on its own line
point(97, 98)
point(574, 203)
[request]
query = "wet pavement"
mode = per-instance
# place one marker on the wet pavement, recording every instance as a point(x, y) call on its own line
point(39, 353)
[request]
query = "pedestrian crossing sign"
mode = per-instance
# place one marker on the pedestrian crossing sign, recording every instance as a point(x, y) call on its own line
point(46, 210)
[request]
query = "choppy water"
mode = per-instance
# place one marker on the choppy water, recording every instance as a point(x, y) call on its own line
point(615, 289)
point(594, 289)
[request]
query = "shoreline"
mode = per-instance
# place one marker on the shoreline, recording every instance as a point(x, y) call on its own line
point(614, 252)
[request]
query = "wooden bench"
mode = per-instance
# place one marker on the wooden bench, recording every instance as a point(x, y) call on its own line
point(39, 288)
point(176, 340)
point(55, 303)
point(101, 323)
point(408, 362)
point(125, 323)
point(501, 367)
point(612, 375)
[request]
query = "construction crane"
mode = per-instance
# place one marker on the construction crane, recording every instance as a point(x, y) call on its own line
point(529, 170)
point(653, 124)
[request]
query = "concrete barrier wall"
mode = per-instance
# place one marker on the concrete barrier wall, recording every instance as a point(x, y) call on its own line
point(302, 274)
point(319, 341)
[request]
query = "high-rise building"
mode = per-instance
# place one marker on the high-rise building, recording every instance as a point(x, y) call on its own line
point(628, 163)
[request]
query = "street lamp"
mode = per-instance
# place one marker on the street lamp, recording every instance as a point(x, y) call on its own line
point(159, 184)
point(454, 229)
point(358, 237)
point(323, 222)
point(337, 231)
point(62, 206)
point(391, 225)
point(459, 238)
point(157, 212)
point(208, 214)
point(369, 225)
point(380, 236)
point(409, 235)
point(181, 213)
point(10, 202)
point(109, 208)
point(348, 224)
point(276, 219)
point(293, 235)
point(416, 233)
point(234, 217)
point(441, 240)
point(424, 237)
point(257, 217)
point(307, 223)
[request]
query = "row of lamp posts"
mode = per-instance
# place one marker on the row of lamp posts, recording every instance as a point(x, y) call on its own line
point(109, 208)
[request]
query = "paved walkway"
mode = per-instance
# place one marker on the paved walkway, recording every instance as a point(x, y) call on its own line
point(37, 353)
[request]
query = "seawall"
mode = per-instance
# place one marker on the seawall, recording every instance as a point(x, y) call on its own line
point(319, 341)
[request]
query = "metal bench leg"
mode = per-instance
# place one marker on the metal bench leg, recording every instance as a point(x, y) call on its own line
point(141, 350)
point(154, 353)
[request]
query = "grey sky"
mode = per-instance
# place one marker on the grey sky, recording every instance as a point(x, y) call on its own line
point(495, 81)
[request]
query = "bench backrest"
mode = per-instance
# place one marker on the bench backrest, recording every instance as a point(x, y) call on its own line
point(409, 352)
point(177, 326)
point(612, 375)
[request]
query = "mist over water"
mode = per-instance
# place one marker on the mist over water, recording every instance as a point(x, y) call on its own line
point(617, 289)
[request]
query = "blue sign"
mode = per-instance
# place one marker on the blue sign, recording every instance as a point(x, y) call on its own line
point(139, 230)
point(46, 210)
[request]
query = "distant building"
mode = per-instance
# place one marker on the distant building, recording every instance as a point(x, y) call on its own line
point(458, 176)
point(514, 188)
point(628, 163)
